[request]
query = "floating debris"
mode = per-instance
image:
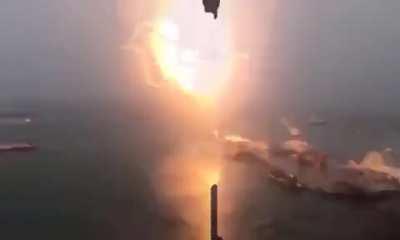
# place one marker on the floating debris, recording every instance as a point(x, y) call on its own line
point(297, 164)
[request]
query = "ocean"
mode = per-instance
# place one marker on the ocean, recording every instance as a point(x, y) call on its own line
point(91, 178)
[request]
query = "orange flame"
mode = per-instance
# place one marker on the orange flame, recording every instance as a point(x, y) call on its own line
point(191, 50)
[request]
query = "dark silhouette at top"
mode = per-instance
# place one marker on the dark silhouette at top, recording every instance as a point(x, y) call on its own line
point(211, 6)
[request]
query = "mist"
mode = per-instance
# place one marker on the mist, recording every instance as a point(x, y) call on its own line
point(327, 55)
point(57, 50)
point(146, 144)
point(338, 55)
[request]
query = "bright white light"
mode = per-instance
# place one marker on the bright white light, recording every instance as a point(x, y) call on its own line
point(169, 30)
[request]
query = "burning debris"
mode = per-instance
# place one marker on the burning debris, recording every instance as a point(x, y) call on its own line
point(377, 162)
point(296, 163)
point(293, 131)
point(234, 144)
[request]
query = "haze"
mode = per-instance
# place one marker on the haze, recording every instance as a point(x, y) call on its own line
point(118, 158)
point(341, 54)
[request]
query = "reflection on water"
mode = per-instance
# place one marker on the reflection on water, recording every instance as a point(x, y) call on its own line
point(91, 179)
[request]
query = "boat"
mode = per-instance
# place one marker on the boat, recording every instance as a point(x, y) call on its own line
point(17, 147)
point(315, 121)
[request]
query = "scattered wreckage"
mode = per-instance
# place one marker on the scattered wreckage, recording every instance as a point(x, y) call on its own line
point(296, 164)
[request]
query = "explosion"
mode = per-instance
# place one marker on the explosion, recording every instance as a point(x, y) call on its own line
point(185, 50)
point(191, 52)
point(187, 67)
point(170, 58)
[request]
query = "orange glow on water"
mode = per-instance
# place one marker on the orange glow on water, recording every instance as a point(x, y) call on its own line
point(186, 49)
point(184, 181)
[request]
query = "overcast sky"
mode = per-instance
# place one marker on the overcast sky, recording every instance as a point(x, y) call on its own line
point(339, 53)
point(345, 52)
point(49, 48)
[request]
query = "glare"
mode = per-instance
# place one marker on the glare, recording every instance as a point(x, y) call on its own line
point(169, 30)
point(212, 177)
point(187, 50)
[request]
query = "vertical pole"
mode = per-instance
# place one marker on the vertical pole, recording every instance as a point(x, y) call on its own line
point(214, 212)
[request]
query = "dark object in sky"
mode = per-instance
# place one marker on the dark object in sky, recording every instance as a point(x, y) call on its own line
point(211, 6)
point(214, 213)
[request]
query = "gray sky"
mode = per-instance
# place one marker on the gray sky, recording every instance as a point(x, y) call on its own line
point(52, 48)
point(341, 53)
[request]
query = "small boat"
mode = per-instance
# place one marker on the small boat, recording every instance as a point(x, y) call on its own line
point(17, 147)
point(15, 121)
point(315, 121)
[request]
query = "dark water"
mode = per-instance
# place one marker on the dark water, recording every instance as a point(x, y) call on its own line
point(83, 182)
point(90, 179)
point(267, 211)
